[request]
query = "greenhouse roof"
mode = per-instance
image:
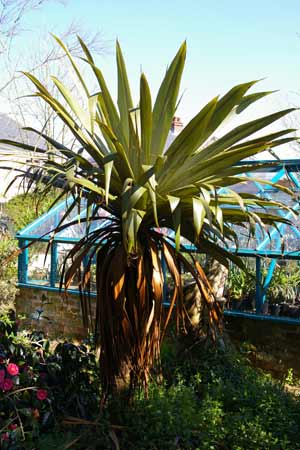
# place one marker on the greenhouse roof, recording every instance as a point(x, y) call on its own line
point(42, 228)
point(285, 172)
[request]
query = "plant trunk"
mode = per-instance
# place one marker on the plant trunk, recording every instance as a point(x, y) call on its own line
point(128, 316)
point(195, 304)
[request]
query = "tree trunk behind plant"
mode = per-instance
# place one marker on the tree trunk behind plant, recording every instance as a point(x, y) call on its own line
point(196, 304)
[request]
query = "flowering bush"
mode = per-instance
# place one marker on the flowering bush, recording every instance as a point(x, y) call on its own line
point(25, 403)
point(39, 387)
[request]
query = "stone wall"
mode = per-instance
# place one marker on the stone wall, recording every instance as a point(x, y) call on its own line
point(50, 312)
point(276, 346)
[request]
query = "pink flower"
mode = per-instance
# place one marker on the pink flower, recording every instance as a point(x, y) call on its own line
point(2, 375)
point(5, 437)
point(12, 369)
point(7, 384)
point(41, 394)
point(12, 426)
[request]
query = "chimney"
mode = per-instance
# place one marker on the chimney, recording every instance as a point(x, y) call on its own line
point(177, 125)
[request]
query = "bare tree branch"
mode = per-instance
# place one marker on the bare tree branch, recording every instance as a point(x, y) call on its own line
point(12, 14)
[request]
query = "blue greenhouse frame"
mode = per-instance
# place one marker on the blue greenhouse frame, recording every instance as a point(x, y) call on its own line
point(284, 169)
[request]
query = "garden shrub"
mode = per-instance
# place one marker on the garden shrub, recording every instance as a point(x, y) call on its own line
point(72, 372)
point(8, 272)
point(24, 208)
point(25, 400)
point(21, 210)
point(38, 386)
point(211, 398)
point(8, 267)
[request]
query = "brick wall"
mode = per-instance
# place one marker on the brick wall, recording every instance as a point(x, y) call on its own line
point(50, 312)
point(277, 344)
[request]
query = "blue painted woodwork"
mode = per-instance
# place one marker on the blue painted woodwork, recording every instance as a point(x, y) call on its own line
point(258, 296)
point(23, 261)
point(53, 264)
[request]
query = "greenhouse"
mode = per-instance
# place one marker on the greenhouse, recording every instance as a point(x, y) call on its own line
point(265, 252)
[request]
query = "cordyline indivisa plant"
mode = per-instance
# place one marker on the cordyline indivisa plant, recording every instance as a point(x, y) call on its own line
point(120, 164)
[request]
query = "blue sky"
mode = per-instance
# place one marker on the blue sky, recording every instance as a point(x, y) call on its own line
point(228, 41)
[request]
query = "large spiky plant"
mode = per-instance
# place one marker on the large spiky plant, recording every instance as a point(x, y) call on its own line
point(121, 164)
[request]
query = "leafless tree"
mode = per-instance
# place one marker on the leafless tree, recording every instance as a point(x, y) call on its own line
point(43, 59)
point(47, 59)
point(12, 14)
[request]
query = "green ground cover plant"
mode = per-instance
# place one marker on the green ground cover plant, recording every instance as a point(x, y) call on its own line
point(209, 397)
